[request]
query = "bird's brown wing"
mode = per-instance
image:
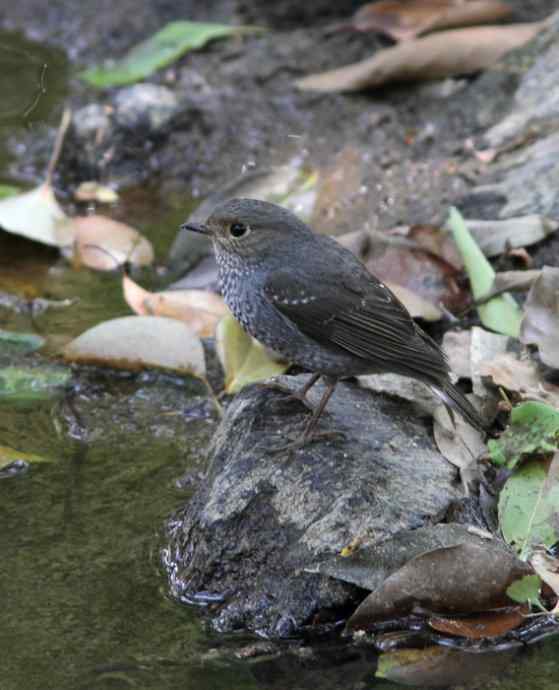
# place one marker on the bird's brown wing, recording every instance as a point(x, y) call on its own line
point(357, 313)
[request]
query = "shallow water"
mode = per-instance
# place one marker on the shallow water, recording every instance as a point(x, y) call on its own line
point(84, 600)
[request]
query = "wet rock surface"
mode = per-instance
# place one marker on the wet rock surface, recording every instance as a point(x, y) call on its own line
point(260, 518)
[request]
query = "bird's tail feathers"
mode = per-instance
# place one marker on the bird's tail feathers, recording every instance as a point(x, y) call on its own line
point(457, 401)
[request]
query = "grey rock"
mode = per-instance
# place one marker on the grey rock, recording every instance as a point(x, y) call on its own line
point(536, 101)
point(148, 106)
point(90, 119)
point(259, 519)
point(525, 178)
point(368, 567)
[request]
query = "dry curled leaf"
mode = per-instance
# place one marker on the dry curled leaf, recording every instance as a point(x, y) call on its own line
point(440, 55)
point(540, 324)
point(406, 19)
point(200, 309)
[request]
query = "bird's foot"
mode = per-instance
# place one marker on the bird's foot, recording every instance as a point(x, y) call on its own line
point(307, 439)
point(290, 395)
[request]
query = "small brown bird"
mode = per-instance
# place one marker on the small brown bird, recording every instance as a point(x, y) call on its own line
point(314, 302)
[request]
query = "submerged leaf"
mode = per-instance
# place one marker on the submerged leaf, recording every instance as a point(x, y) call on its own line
point(33, 383)
point(164, 47)
point(244, 360)
point(534, 429)
point(501, 314)
point(23, 342)
point(440, 55)
point(10, 455)
point(137, 342)
point(37, 216)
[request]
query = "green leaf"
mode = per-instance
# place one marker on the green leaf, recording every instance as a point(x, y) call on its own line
point(8, 190)
point(10, 455)
point(22, 342)
point(161, 49)
point(501, 314)
point(534, 428)
point(529, 506)
point(525, 590)
point(37, 383)
point(244, 360)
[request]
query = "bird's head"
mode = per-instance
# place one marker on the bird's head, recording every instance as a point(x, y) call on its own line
point(251, 229)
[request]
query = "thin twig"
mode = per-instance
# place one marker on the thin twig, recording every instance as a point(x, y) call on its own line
point(58, 142)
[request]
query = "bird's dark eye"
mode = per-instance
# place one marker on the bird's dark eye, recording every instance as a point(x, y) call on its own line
point(238, 229)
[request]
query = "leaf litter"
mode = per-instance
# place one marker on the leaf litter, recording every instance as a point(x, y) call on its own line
point(403, 20)
point(439, 55)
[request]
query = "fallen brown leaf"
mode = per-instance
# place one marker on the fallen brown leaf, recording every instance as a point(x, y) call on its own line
point(519, 374)
point(104, 244)
point(459, 579)
point(459, 443)
point(137, 342)
point(440, 55)
point(200, 309)
point(406, 19)
point(482, 625)
point(540, 324)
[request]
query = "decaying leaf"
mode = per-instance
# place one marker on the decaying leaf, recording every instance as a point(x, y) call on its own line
point(200, 309)
point(406, 19)
point(438, 241)
point(94, 191)
point(417, 270)
point(515, 281)
point(482, 625)
point(501, 314)
point(104, 244)
point(518, 373)
point(25, 384)
point(440, 667)
point(244, 360)
point(529, 506)
point(458, 579)
point(138, 342)
point(22, 342)
point(457, 346)
point(547, 568)
point(494, 237)
point(533, 430)
point(417, 306)
point(37, 216)
point(540, 324)
point(10, 455)
point(163, 48)
point(402, 387)
point(437, 56)
point(459, 443)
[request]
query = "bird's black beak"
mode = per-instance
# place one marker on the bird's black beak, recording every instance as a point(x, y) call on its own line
point(200, 228)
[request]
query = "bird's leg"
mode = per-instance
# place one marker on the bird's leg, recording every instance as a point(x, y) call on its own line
point(309, 434)
point(300, 395)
